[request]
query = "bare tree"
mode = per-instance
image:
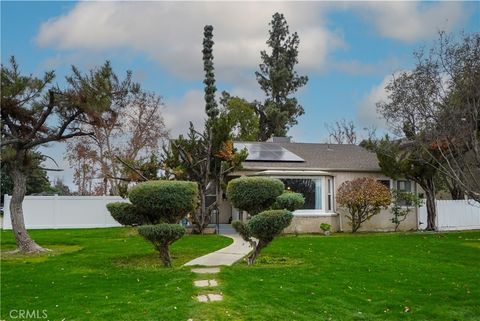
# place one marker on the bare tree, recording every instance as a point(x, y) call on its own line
point(34, 113)
point(342, 132)
point(130, 134)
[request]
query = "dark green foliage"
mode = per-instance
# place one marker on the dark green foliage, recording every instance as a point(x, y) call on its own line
point(240, 117)
point(290, 201)
point(161, 236)
point(278, 79)
point(325, 227)
point(254, 194)
point(210, 89)
point(161, 233)
point(165, 201)
point(266, 225)
point(125, 214)
point(241, 229)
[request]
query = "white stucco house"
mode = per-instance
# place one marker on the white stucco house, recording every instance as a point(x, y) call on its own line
point(316, 171)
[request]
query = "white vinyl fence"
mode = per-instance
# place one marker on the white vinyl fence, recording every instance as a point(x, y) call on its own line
point(453, 215)
point(47, 212)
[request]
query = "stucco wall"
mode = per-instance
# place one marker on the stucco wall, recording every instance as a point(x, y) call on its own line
point(311, 224)
point(380, 222)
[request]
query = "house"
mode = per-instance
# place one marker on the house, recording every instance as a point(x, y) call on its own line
point(316, 171)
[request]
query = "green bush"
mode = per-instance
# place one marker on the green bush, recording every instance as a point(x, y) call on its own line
point(290, 201)
point(125, 214)
point(325, 227)
point(266, 225)
point(254, 194)
point(161, 236)
point(165, 201)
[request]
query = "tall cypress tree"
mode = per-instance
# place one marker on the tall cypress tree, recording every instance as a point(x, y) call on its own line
point(279, 80)
point(211, 107)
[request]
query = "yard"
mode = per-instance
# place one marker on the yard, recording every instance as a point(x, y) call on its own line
point(113, 274)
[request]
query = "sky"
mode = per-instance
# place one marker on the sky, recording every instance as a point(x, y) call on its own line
point(349, 50)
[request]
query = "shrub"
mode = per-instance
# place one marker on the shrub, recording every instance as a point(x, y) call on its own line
point(161, 236)
point(264, 227)
point(155, 202)
point(363, 197)
point(165, 201)
point(325, 227)
point(402, 204)
point(254, 194)
point(290, 201)
point(125, 213)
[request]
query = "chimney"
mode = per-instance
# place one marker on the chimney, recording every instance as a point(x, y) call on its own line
point(281, 139)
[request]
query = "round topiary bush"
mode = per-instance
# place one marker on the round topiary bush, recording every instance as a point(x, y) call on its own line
point(161, 236)
point(165, 201)
point(266, 225)
point(290, 201)
point(125, 213)
point(254, 194)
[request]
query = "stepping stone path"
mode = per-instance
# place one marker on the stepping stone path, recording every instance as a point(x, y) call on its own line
point(208, 297)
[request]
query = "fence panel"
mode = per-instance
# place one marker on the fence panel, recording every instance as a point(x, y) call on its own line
point(453, 215)
point(47, 212)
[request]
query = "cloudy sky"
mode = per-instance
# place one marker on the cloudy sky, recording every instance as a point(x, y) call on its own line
point(347, 49)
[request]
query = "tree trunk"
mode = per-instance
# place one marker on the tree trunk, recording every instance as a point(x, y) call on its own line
point(429, 188)
point(165, 255)
point(257, 247)
point(25, 244)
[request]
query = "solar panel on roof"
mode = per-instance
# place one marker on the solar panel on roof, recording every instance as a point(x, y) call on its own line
point(268, 152)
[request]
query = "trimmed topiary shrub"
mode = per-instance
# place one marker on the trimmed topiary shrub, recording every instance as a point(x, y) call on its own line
point(125, 214)
point(290, 201)
point(264, 227)
point(161, 236)
point(158, 203)
point(165, 201)
point(254, 194)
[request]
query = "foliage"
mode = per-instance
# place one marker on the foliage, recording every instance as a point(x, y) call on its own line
point(402, 205)
point(290, 201)
point(35, 112)
point(279, 80)
point(254, 194)
point(125, 214)
point(364, 198)
point(161, 236)
point(240, 117)
point(266, 225)
point(325, 227)
point(165, 201)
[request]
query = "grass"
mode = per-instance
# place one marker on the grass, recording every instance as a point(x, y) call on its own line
point(112, 274)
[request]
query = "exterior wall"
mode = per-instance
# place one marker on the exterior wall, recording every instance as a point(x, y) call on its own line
point(311, 224)
point(225, 209)
point(380, 222)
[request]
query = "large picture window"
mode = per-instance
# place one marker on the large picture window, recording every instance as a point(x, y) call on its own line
point(303, 186)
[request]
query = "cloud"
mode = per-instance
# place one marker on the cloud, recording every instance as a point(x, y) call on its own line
point(411, 21)
point(178, 112)
point(171, 33)
point(367, 113)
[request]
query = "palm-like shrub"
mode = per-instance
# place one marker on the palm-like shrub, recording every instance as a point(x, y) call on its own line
point(257, 194)
point(161, 204)
point(364, 198)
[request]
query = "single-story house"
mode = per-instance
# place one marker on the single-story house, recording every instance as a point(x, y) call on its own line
point(316, 171)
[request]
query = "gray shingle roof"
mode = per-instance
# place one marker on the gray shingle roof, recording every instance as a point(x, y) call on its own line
point(322, 157)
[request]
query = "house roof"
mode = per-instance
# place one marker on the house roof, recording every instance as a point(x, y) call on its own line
point(329, 157)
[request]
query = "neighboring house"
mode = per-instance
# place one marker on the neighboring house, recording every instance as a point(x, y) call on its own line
point(316, 171)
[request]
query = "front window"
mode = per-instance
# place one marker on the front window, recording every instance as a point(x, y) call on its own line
point(318, 191)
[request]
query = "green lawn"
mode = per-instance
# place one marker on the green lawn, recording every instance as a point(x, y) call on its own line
point(112, 274)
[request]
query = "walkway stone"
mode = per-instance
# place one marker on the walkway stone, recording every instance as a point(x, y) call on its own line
point(202, 298)
point(206, 270)
point(205, 283)
point(215, 297)
point(226, 256)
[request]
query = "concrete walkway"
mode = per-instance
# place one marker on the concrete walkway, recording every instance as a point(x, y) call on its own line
point(226, 256)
